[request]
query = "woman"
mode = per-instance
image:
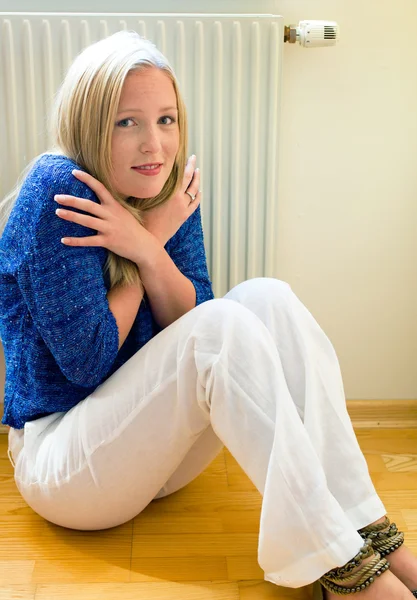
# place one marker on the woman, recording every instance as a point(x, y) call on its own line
point(124, 377)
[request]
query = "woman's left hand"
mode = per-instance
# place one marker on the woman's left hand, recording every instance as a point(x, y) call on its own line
point(164, 220)
point(117, 229)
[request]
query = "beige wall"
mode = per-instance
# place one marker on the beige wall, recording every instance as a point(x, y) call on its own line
point(348, 197)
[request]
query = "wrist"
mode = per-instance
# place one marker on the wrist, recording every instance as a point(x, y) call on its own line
point(151, 253)
point(159, 236)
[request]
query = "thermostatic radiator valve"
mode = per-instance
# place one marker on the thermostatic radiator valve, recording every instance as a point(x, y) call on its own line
point(312, 33)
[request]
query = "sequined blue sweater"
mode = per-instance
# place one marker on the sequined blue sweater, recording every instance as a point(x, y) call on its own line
point(59, 335)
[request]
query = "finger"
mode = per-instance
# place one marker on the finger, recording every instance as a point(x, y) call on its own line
point(87, 221)
point(197, 197)
point(93, 183)
point(91, 240)
point(189, 170)
point(195, 204)
point(81, 203)
point(195, 183)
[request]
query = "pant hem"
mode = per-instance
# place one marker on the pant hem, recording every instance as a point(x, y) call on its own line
point(367, 512)
point(312, 567)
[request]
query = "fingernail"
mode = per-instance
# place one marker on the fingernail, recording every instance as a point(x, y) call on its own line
point(76, 171)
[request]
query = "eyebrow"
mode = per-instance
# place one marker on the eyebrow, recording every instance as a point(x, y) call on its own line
point(131, 110)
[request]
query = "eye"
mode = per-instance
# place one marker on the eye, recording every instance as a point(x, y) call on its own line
point(168, 117)
point(125, 123)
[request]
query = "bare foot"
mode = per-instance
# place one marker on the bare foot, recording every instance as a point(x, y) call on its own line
point(385, 587)
point(404, 566)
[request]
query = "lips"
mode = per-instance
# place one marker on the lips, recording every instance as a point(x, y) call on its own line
point(148, 166)
point(148, 169)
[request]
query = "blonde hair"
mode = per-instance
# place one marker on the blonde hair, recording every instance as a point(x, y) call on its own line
point(83, 120)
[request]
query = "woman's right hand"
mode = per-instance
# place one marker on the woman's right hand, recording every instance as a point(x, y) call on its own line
point(117, 229)
point(164, 220)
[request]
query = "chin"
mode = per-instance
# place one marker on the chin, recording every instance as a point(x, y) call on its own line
point(147, 190)
point(151, 191)
point(144, 194)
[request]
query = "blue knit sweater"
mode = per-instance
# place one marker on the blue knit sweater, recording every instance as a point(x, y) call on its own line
point(59, 336)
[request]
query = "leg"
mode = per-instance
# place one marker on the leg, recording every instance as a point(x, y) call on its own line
point(315, 383)
point(102, 462)
point(313, 376)
point(197, 459)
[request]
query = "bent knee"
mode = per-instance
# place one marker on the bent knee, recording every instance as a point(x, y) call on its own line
point(222, 308)
point(219, 312)
point(260, 290)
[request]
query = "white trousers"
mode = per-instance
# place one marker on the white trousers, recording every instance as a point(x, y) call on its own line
point(252, 371)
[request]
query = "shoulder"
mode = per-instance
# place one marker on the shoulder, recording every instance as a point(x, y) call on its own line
point(51, 162)
point(48, 165)
point(52, 174)
point(33, 215)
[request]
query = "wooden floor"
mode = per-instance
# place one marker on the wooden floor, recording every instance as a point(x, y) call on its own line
point(197, 544)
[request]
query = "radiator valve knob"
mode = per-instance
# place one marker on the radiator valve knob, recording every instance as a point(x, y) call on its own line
point(312, 34)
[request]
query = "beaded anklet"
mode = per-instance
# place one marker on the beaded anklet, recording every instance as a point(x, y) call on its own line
point(386, 541)
point(383, 542)
point(333, 580)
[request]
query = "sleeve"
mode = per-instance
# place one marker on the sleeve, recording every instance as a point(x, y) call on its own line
point(186, 248)
point(63, 286)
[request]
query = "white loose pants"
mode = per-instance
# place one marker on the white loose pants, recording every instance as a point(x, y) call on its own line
point(252, 371)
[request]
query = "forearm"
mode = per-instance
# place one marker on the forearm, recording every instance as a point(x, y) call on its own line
point(124, 303)
point(170, 293)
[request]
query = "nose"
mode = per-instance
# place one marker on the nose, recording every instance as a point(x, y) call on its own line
point(150, 142)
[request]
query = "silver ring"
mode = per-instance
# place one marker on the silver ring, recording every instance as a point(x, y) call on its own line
point(191, 196)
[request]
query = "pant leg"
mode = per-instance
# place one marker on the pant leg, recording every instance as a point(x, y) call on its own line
point(197, 459)
point(313, 376)
point(102, 462)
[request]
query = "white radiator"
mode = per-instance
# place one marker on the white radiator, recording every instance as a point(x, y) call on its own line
point(229, 70)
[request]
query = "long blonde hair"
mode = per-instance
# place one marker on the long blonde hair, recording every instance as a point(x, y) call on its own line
point(83, 120)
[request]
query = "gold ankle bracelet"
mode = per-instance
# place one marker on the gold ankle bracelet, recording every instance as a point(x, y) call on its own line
point(383, 542)
point(333, 580)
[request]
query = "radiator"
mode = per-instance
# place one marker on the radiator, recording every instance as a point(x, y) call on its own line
point(229, 70)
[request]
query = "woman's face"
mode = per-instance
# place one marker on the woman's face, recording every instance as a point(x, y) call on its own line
point(145, 133)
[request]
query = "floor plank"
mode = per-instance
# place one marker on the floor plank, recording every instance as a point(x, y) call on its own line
point(198, 544)
point(140, 591)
